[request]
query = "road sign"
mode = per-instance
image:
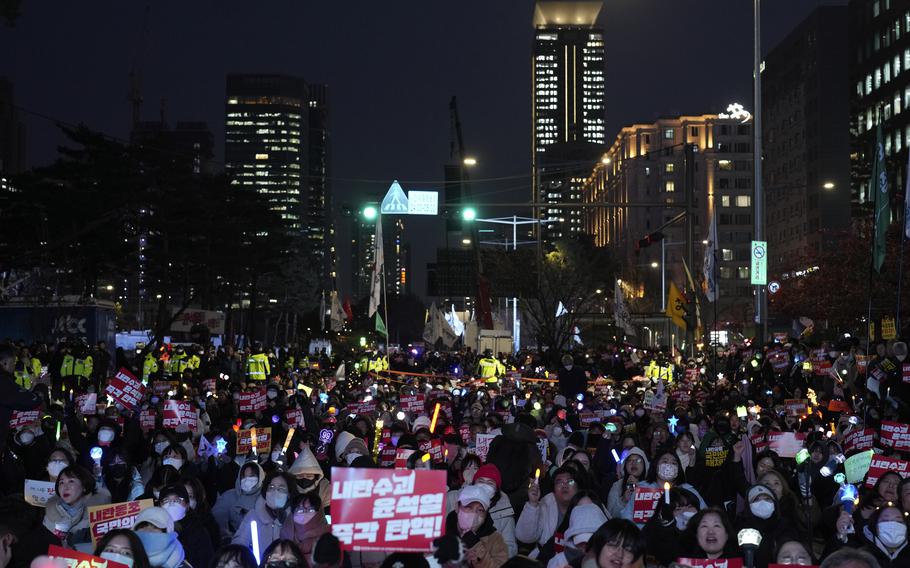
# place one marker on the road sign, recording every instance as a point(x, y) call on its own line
point(395, 201)
point(759, 271)
point(774, 286)
point(423, 203)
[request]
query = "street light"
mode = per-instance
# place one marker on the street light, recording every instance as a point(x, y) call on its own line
point(369, 212)
point(469, 161)
point(469, 214)
point(828, 185)
point(655, 264)
point(465, 241)
point(605, 160)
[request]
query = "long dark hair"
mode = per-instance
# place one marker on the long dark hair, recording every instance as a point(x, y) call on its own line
point(283, 543)
point(235, 553)
point(618, 532)
point(140, 558)
point(692, 531)
point(680, 472)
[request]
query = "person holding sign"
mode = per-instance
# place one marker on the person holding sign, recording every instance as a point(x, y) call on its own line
point(66, 513)
point(669, 523)
point(666, 469)
point(12, 396)
point(272, 509)
point(634, 465)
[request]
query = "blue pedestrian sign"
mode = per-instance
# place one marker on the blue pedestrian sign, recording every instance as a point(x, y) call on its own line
point(395, 201)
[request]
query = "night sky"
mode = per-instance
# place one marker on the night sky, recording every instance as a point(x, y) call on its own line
point(391, 68)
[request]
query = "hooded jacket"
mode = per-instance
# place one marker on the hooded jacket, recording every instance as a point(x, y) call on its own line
point(491, 548)
point(267, 526)
point(773, 529)
point(306, 463)
point(232, 506)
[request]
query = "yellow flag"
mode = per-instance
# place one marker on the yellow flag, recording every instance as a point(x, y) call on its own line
point(675, 303)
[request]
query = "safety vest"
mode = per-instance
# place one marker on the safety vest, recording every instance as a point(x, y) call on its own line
point(490, 368)
point(177, 364)
point(36, 367)
point(257, 367)
point(23, 379)
point(289, 363)
point(379, 364)
point(76, 367)
point(149, 367)
point(193, 362)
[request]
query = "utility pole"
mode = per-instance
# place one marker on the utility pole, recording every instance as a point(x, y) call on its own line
point(689, 154)
point(758, 199)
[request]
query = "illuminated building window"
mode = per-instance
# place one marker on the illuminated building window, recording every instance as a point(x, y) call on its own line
point(668, 167)
point(670, 186)
point(743, 200)
point(668, 134)
point(724, 200)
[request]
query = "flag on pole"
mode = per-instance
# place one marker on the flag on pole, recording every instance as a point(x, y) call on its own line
point(380, 326)
point(878, 185)
point(322, 311)
point(376, 277)
point(340, 373)
point(708, 267)
point(337, 316)
point(676, 310)
point(561, 310)
point(621, 311)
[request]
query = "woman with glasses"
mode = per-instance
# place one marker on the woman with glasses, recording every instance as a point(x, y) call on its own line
point(542, 514)
point(283, 553)
point(272, 509)
point(616, 544)
point(307, 522)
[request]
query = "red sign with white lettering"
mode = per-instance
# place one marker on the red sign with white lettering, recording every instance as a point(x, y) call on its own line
point(895, 435)
point(126, 389)
point(881, 464)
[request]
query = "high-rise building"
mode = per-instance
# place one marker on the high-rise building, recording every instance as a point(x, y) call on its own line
point(277, 143)
point(879, 55)
point(646, 164)
point(189, 141)
point(12, 132)
point(569, 107)
point(806, 151)
point(396, 254)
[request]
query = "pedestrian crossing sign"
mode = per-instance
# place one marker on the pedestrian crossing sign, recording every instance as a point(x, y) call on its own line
point(395, 201)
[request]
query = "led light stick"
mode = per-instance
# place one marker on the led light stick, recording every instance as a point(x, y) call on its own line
point(667, 492)
point(435, 416)
point(254, 531)
point(253, 440)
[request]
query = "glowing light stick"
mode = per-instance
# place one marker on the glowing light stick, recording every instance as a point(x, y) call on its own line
point(377, 437)
point(435, 416)
point(253, 440)
point(667, 492)
point(96, 454)
point(58, 431)
point(287, 441)
point(537, 476)
point(254, 531)
point(615, 455)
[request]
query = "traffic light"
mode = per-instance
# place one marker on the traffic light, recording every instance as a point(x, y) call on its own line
point(650, 239)
point(370, 212)
point(468, 214)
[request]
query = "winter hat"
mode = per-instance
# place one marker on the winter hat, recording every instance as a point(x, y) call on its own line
point(157, 517)
point(341, 443)
point(306, 464)
point(421, 422)
point(474, 494)
point(636, 451)
point(489, 471)
point(759, 489)
point(584, 522)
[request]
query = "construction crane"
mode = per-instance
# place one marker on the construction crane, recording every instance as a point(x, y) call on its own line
point(135, 93)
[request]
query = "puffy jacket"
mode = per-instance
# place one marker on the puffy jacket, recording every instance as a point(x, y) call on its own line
point(537, 523)
point(490, 551)
point(232, 506)
point(268, 526)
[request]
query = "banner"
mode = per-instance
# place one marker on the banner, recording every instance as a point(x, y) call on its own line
point(75, 559)
point(482, 445)
point(796, 407)
point(362, 407)
point(377, 509)
point(882, 464)
point(20, 418)
point(856, 466)
point(104, 518)
point(252, 401)
point(412, 403)
point(294, 417)
point(895, 435)
point(263, 441)
point(708, 563)
point(147, 420)
point(645, 503)
point(401, 458)
point(161, 388)
point(860, 440)
point(38, 492)
point(125, 389)
point(179, 413)
point(86, 404)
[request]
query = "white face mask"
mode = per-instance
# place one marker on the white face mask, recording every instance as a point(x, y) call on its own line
point(682, 519)
point(303, 518)
point(351, 457)
point(762, 509)
point(105, 435)
point(26, 437)
point(468, 521)
point(177, 512)
point(248, 484)
point(892, 533)
point(176, 463)
point(276, 500)
point(668, 471)
point(117, 557)
point(55, 467)
point(160, 447)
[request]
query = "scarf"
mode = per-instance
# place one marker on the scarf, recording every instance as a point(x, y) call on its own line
point(163, 549)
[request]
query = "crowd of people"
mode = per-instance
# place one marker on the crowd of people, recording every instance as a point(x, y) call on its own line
point(616, 457)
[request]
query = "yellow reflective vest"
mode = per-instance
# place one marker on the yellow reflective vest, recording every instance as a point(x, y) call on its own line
point(76, 367)
point(257, 367)
point(490, 368)
point(149, 367)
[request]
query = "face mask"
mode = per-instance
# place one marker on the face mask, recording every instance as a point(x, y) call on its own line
point(55, 467)
point(26, 437)
point(892, 533)
point(105, 435)
point(117, 470)
point(832, 354)
point(569, 367)
point(305, 483)
point(156, 544)
point(117, 557)
point(276, 500)
point(466, 520)
point(249, 484)
point(177, 512)
point(762, 509)
point(275, 455)
point(160, 447)
point(639, 412)
point(271, 394)
point(176, 463)
point(303, 518)
point(668, 471)
point(192, 503)
point(682, 519)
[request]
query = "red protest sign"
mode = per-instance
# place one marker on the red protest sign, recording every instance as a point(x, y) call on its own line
point(147, 420)
point(104, 518)
point(895, 435)
point(294, 417)
point(76, 559)
point(437, 451)
point(709, 563)
point(263, 441)
point(796, 407)
point(87, 404)
point(20, 418)
point(161, 388)
point(838, 406)
point(645, 503)
point(177, 413)
point(465, 431)
point(126, 389)
point(882, 464)
point(779, 360)
point(362, 407)
point(859, 440)
point(387, 456)
point(401, 458)
point(412, 403)
point(376, 509)
point(252, 401)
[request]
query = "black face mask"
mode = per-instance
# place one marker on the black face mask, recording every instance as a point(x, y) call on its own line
point(117, 470)
point(304, 483)
point(722, 428)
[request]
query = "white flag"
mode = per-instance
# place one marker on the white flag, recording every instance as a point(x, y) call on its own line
point(621, 312)
point(708, 267)
point(340, 373)
point(429, 333)
point(561, 310)
point(337, 316)
point(378, 261)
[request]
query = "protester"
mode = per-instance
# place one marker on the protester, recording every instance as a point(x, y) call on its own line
point(195, 539)
point(155, 530)
point(307, 522)
point(270, 512)
point(123, 546)
point(66, 513)
point(484, 547)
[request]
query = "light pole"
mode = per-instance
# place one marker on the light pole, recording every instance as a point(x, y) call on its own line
point(761, 296)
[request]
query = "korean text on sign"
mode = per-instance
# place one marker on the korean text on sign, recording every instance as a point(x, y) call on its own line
point(895, 435)
point(178, 413)
point(76, 559)
point(645, 503)
point(882, 464)
point(252, 401)
point(105, 518)
point(375, 509)
point(263, 441)
point(126, 389)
